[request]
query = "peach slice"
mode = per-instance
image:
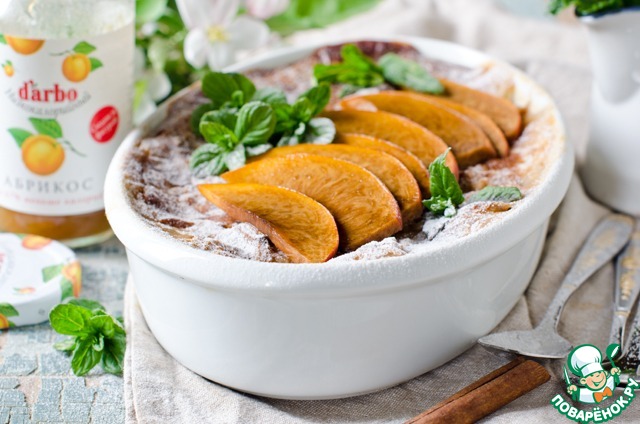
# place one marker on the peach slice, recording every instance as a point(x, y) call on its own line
point(396, 129)
point(296, 224)
point(409, 160)
point(489, 127)
point(468, 142)
point(504, 113)
point(363, 207)
point(388, 169)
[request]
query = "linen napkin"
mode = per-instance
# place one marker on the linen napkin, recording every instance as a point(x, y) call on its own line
point(159, 390)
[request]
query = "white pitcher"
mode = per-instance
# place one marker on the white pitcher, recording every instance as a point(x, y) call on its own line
point(612, 170)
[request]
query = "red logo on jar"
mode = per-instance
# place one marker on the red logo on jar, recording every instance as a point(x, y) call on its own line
point(104, 124)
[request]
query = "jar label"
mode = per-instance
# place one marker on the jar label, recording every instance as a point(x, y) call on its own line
point(65, 107)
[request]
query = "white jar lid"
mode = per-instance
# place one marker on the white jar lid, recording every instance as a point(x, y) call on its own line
point(36, 273)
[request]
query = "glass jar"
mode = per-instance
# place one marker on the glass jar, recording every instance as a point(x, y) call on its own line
point(66, 86)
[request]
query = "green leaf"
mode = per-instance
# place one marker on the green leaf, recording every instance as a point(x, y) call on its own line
point(149, 10)
point(49, 127)
point(220, 87)
point(197, 115)
point(256, 123)
point(207, 160)
point(85, 358)
point(8, 310)
point(237, 158)
point(98, 344)
point(496, 194)
point(105, 325)
point(89, 304)
point(312, 102)
point(589, 7)
point(84, 48)
point(51, 272)
point(307, 14)
point(95, 64)
point(216, 133)
point(446, 194)
point(113, 354)
point(409, 74)
point(2, 39)
point(66, 289)
point(67, 345)
point(19, 135)
point(319, 131)
point(357, 69)
point(270, 95)
point(70, 320)
point(225, 117)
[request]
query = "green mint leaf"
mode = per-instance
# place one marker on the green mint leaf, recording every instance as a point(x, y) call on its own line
point(67, 345)
point(98, 344)
point(589, 7)
point(236, 158)
point(292, 138)
point(89, 304)
point(217, 133)
point(84, 48)
point(284, 118)
point(446, 193)
point(197, 115)
point(347, 90)
point(95, 64)
point(319, 131)
point(149, 10)
point(256, 123)
point(51, 272)
point(71, 320)
point(105, 325)
point(312, 102)
point(2, 39)
point(409, 74)
point(207, 160)
point(220, 87)
point(49, 127)
point(357, 69)
point(19, 135)
point(8, 310)
point(113, 354)
point(496, 194)
point(258, 150)
point(85, 357)
point(226, 117)
point(270, 95)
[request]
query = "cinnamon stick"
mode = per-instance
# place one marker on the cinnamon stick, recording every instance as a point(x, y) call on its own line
point(488, 394)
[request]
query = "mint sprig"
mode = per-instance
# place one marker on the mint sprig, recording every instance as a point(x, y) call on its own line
point(496, 194)
point(357, 70)
point(231, 138)
point(446, 194)
point(96, 337)
point(590, 7)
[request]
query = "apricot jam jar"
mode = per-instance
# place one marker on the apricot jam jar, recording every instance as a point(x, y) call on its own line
point(66, 84)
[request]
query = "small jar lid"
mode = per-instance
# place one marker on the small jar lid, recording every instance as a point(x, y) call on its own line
point(36, 274)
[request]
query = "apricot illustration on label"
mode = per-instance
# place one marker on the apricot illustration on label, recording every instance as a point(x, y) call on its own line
point(7, 311)
point(42, 152)
point(33, 242)
point(24, 290)
point(71, 281)
point(77, 64)
point(23, 46)
point(8, 68)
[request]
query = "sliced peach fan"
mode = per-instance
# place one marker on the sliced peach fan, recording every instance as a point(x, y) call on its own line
point(469, 143)
point(396, 129)
point(296, 224)
point(388, 169)
point(363, 207)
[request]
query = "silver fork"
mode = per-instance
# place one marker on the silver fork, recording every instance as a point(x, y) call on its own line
point(605, 241)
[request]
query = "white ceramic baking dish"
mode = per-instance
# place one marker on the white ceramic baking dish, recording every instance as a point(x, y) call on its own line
point(314, 331)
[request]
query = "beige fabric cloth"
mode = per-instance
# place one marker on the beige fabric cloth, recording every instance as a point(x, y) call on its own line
point(159, 390)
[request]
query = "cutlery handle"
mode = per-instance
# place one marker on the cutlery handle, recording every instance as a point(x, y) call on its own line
point(604, 242)
point(627, 286)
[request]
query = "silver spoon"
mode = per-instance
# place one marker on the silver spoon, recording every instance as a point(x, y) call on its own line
point(604, 242)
